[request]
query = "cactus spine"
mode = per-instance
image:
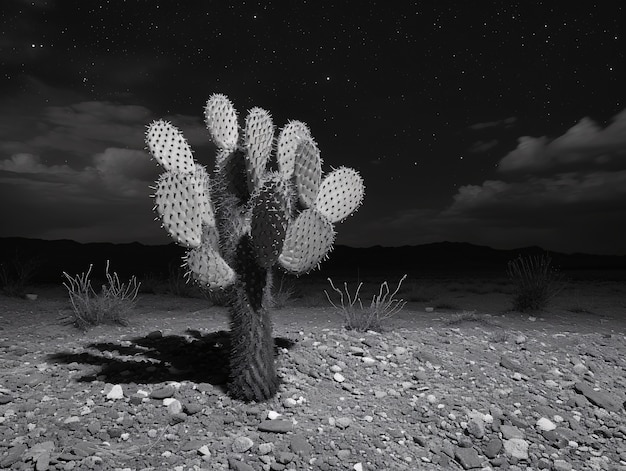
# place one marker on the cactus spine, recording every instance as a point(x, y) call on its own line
point(247, 218)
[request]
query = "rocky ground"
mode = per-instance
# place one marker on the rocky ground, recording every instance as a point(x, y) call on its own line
point(469, 388)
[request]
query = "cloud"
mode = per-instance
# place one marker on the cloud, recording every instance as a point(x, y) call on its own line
point(480, 147)
point(506, 122)
point(78, 170)
point(495, 198)
point(566, 193)
point(584, 143)
point(29, 163)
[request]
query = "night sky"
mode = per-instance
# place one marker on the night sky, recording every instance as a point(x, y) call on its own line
point(498, 123)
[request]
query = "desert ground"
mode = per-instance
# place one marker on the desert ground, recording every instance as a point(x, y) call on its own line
point(470, 384)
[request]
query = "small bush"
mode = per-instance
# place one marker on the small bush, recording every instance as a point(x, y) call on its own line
point(536, 282)
point(16, 273)
point(111, 305)
point(357, 317)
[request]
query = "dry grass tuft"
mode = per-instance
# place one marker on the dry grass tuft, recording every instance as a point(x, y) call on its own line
point(111, 305)
point(360, 318)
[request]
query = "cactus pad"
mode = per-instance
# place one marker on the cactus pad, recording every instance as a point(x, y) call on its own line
point(341, 193)
point(178, 202)
point(259, 135)
point(308, 170)
point(208, 268)
point(168, 146)
point(221, 121)
point(308, 240)
point(207, 214)
point(289, 138)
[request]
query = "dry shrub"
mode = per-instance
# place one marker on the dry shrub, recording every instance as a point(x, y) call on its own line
point(111, 305)
point(360, 318)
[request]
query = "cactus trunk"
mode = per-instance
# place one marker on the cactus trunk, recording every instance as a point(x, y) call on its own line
point(252, 371)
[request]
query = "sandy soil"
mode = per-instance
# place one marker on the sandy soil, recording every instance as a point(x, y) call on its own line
point(469, 385)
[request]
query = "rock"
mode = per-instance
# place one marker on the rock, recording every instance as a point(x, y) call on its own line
point(516, 448)
point(204, 450)
point(43, 461)
point(510, 431)
point(476, 428)
point(192, 408)
point(427, 357)
point(5, 398)
point(339, 377)
point(285, 457)
point(510, 364)
point(266, 448)
point(276, 426)
point(398, 351)
point(242, 444)
point(467, 457)
point(545, 424)
point(598, 398)
point(164, 392)
point(343, 422)
point(237, 465)
point(300, 446)
point(14, 455)
point(116, 392)
point(561, 465)
point(492, 448)
point(136, 399)
point(94, 427)
point(289, 402)
point(174, 406)
point(155, 334)
point(177, 418)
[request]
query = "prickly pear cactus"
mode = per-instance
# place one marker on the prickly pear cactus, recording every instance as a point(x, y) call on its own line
point(247, 218)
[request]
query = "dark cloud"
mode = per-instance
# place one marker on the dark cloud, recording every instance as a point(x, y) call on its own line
point(506, 122)
point(584, 143)
point(480, 147)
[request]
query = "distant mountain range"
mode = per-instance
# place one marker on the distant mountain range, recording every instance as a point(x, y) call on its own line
point(52, 257)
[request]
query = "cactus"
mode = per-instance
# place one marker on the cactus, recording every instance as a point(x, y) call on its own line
point(248, 218)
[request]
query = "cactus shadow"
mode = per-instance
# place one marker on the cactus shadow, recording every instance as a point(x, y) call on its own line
point(195, 356)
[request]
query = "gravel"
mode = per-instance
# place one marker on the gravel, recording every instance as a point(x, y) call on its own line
point(437, 397)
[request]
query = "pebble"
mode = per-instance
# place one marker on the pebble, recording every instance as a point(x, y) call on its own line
point(599, 398)
point(510, 431)
point(164, 392)
point(237, 465)
point(516, 448)
point(116, 392)
point(276, 426)
point(493, 447)
point(242, 444)
point(561, 465)
point(174, 406)
point(467, 457)
point(476, 428)
point(289, 402)
point(339, 377)
point(343, 422)
point(545, 424)
point(5, 398)
point(265, 448)
point(300, 446)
